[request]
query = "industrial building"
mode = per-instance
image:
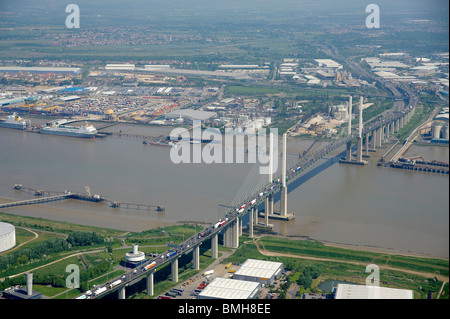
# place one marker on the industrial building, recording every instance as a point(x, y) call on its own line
point(123, 67)
point(340, 112)
point(348, 291)
point(378, 65)
point(156, 66)
point(7, 236)
point(190, 115)
point(328, 63)
point(223, 288)
point(261, 271)
point(39, 69)
point(239, 66)
point(135, 258)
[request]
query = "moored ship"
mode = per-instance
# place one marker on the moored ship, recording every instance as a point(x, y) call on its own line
point(14, 121)
point(55, 128)
point(169, 144)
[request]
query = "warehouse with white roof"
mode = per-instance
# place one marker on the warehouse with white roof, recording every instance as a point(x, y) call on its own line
point(348, 291)
point(261, 271)
point(223, 288)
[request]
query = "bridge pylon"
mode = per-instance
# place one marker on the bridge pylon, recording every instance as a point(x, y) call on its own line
point(359, 140)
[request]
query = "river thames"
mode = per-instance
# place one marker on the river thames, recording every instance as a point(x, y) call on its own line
point(368, 206)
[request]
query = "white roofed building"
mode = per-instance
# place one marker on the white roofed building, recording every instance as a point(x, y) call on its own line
point(262, 271)
point(223, 288)
point(348, 291)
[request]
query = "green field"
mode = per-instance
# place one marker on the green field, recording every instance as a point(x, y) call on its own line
point(97, 263)
point(348, 264)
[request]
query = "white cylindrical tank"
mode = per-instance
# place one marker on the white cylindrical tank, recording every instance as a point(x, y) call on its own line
point(445, 132)
point(7, 236)
point(436, 130)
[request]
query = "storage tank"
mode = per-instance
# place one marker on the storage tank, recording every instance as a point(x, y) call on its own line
point(445, 132)
point(436, 130)
point(7, 236)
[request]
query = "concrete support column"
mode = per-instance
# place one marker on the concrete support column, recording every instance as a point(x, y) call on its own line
point(392, 128)
point(174, 267)
point(235, 234)
point(359, 150)
point(121, 292)
point(270, 204)
point(266, 205)
point(250, 223)
point(378, 139)
point(266, 212)
point(396, 125)
point(387, 131)
point(348, 157)
point(255, 219)
point(283, 201)
point(374, 139)
point(382, 135)
point(240, 227)
point(215, 246)
point(150, 291)
point(367, 144)
point(196, 257)
point(226, 237)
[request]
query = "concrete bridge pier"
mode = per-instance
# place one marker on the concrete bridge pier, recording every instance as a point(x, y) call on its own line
point(150, 287)
point(359, 150)
point(174, 268)
point(121, 293)
point(348, 154)
point(392, 128)
point(381, 136)
point(373, 141)
point(270, 211)
point(196, 258)
point(227, 236)
point(386, 132)
point(250, 222)
point(235, 233)
point(397, 125)
point(266, 209)
point(378, 139)
point(366, 144)
point(215, 246)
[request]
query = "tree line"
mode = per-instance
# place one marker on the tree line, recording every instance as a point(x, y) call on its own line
point(50, 246)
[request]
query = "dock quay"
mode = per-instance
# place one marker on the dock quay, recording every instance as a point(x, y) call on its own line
point(48, 196)
point(35, 201)
point(418, 165)
point(135, 206)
